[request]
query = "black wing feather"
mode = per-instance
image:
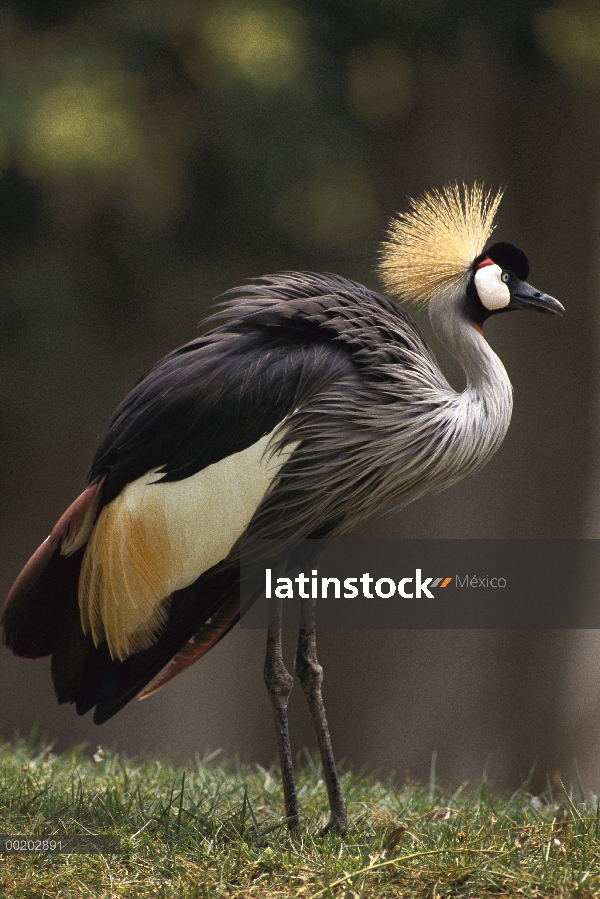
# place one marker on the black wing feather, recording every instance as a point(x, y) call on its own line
point(109, 684)
point(219, 397)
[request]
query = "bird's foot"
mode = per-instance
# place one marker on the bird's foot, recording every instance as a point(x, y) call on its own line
point(293, 822)
point(337, 825)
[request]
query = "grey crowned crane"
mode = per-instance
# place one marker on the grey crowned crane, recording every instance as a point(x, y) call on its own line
point(312, 403)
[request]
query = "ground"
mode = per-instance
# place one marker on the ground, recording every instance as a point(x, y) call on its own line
point(211, 830)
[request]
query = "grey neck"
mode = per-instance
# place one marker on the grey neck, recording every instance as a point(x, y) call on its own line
point(488, 394)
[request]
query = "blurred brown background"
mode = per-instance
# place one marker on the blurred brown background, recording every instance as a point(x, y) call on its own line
point(154, 154)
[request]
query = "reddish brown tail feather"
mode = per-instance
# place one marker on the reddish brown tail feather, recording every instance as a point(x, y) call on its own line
point(35, 605)
point(208, 635)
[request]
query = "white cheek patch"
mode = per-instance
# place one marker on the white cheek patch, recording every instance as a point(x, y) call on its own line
point(491, 289)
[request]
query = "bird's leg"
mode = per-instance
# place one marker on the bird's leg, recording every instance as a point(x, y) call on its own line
point(279, 684)
point(310, 674)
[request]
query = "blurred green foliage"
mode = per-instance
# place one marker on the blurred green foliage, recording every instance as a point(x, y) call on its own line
point(570, 33)
point(154, 153)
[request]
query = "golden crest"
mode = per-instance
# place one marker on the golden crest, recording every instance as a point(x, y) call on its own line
point(434, 243)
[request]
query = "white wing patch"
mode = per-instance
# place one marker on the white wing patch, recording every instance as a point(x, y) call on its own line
point(154, 538)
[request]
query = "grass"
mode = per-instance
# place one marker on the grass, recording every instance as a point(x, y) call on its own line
point(210, 831)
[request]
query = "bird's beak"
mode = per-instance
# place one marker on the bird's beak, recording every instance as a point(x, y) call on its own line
point(524, 296)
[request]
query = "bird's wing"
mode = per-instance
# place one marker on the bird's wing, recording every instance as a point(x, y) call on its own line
point(276, 342)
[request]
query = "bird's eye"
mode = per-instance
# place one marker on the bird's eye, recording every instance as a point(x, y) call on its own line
point(505, 277)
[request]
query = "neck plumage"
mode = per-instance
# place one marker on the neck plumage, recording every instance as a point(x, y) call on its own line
point(483, 410)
